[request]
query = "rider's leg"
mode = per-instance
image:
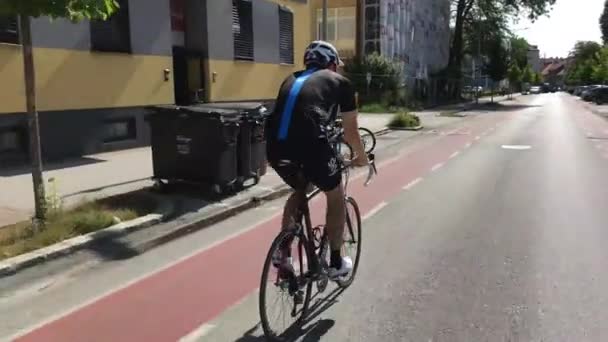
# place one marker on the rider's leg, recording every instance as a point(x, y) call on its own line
point(335, 218)
point(290, 210)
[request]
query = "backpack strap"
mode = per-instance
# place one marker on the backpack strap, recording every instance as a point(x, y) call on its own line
point(291, 102)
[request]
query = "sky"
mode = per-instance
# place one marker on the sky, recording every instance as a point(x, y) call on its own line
point(569, 21)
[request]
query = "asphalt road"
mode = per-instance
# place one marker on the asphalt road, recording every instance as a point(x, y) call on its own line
point(492, 232)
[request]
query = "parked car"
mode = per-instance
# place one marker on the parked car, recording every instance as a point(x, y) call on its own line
point(601, 96)
point(535, 90)
point(588, 94)
point(525, 88)
point(579, 90)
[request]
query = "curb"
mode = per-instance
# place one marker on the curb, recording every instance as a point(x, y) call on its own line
point(417, 128)
point(15, 264)
point(200, 224)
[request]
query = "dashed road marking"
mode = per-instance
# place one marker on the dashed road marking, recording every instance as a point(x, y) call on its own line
point(516, 147)
point(436, 167)
point(454, 155)
point(477, 137)
point(467, 145)
point(412, 183)
point(197, 334)
point(374, 210)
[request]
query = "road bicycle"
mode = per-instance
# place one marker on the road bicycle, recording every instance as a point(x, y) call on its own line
point(307, 249)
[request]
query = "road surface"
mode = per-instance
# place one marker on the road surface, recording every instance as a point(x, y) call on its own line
point(495, 231)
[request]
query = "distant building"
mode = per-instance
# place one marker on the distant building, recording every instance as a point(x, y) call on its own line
point(534, 58)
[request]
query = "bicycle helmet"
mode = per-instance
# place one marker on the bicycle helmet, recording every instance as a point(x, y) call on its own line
point(321, 54)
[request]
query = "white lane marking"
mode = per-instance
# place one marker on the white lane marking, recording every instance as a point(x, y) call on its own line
point(197, 334)
point(516, 147)
point(454, 155)
point(412, 183)
point(467, 145)
point(375, 210)
point(436, 167)
point(477, 137)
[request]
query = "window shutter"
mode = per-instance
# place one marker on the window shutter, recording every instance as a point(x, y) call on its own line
point(9, 30)
point(242, 29)
point(114, 34)
point(285, 36)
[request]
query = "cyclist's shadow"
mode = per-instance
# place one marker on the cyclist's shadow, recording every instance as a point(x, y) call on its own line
point(310, 329)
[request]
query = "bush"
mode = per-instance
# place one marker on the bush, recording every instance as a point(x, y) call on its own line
point(404, 120)
point(385, 77)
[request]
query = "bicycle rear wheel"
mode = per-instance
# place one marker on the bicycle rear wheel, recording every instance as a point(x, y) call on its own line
point(352, 239)
point(368, 138)
point(289, 284)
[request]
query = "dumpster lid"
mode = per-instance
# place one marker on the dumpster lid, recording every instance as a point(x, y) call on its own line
point(247, 108)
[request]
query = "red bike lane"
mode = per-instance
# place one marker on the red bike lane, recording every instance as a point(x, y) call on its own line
point(174, 301)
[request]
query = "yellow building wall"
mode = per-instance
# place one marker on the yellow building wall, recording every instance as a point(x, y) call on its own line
point(71, 79)
point(243, 80)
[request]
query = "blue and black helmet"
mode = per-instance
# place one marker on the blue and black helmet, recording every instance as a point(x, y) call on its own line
point(321, 54)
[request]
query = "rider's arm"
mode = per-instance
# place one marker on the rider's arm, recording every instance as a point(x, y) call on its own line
point(348, 108)
point(353, 138)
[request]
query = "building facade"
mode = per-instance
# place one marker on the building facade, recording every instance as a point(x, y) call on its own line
point(92, 81)
point(415, 32)
point(95, 79)
point(534, 60)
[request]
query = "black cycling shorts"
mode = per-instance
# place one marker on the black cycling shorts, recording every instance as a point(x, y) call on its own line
point(298, 166)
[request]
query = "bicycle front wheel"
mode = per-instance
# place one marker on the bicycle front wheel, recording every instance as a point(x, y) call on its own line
point(285, 290)
point(352, 240)
point(368, 138)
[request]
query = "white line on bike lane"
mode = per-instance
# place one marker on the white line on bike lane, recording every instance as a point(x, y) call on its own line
point(374, 210)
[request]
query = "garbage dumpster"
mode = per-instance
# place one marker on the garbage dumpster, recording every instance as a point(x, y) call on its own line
point(195, 144)
point(251, 143)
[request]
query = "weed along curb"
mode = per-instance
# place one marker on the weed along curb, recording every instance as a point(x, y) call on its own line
point(15, 264)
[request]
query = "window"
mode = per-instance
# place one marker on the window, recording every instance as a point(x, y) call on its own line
point(9, 32)
point(114, 34)
point(11, 140)
point(341, 24)
point(285, 36)
point(119, 130)
point(242, 29)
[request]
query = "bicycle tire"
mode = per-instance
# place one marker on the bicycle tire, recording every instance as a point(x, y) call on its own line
point(349, 228)
point(366, 133)
point(268, 331)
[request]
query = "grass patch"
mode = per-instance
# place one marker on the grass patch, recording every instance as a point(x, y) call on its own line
point(404, 120)
point(378, 108)
point(64, 224)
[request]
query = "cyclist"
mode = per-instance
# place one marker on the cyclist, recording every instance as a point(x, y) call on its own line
point(298, 148)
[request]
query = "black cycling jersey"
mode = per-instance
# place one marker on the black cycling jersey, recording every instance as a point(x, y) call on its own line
point(322, 96)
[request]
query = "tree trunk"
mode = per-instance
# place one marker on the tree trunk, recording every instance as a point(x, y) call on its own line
point(455, 60)
point(360, 29)
point(32, 114)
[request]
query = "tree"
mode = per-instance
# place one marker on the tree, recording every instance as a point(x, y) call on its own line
point(604, 23)
point(600, 69)
point(519, 52)
point(514, 75)
point(74, 10)
point(528, 75)
point(467, 12)
point(586, 55)
point(538, 78)
point(498, 64)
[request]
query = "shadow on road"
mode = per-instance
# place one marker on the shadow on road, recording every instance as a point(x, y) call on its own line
point(308, 330)
point(501, 107)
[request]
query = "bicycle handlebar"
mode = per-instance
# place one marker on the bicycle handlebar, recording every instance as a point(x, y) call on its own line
point(371, 166)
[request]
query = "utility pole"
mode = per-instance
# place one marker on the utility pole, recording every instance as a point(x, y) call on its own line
point(324, 23)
